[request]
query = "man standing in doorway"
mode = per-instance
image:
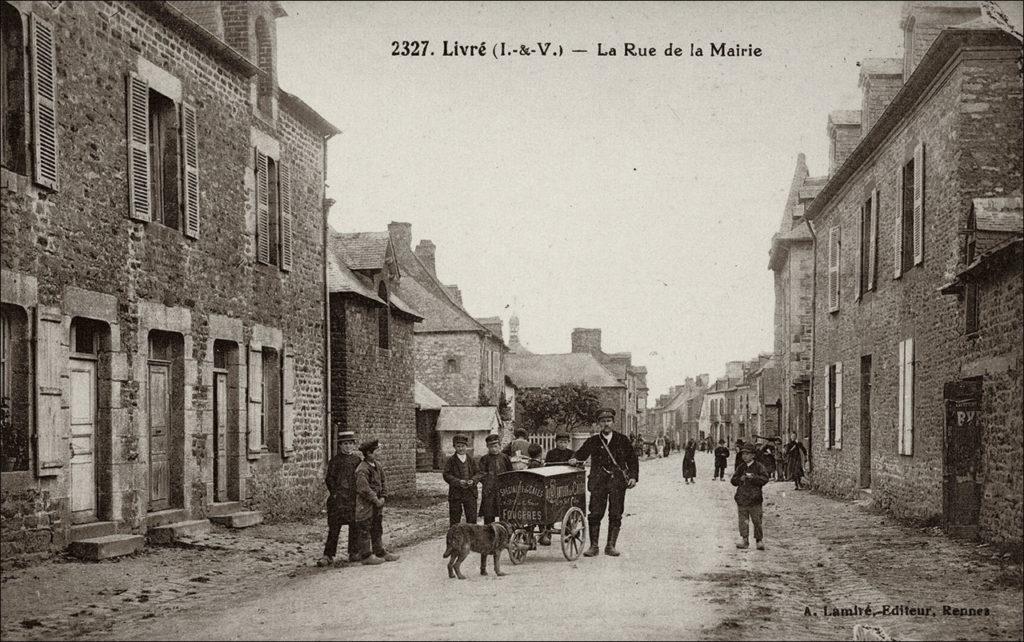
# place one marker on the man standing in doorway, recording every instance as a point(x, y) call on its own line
point(613, 469)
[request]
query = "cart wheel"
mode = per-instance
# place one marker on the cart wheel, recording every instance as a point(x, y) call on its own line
point(574, 533)
point(518, 545)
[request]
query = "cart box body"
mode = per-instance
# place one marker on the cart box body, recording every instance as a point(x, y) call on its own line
point(540, 495)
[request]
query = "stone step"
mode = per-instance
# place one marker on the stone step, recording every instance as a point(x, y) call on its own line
point(223, 508)
point(106, 546)
point(164, 517)
point(92, 529)
point(240, 519)
point(170, 533)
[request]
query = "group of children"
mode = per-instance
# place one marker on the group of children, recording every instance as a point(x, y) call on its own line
point(357, 495)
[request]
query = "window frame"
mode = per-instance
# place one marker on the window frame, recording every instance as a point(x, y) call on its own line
point(14, 151)
point(907, 216)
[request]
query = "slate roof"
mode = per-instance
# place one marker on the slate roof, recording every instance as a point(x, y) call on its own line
point(425, 398)
point(552, 370)
point(362, 250)
point(341, 278)
point(999, 215)
point(468, 419)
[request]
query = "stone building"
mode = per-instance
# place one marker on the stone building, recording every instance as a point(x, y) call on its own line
point(888, 347)
point(162, 273)
point(371, 356)
point(677, 414)
point(620, 364)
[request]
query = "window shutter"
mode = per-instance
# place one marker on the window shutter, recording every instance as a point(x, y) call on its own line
point(140, 207)
point(919, 204)
point(833, 269)
point(44, 102)
point(899, 398)
point(897, 228)
point(861, 250)
point(51, 357)
point(828, 406)
point(262, 209)
point(873, 240)
point(190, 173)
point(285, 187)
point(908, 398)
point(839, 404)
point(255, 399)
point(288, 404)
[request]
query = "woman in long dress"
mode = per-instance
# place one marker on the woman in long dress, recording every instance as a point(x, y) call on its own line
point(795, 453)
point(689, 465)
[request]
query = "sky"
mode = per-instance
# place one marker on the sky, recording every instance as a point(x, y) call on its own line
point(633, 194)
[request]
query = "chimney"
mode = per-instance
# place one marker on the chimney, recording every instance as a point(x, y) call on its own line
point(734, 369)
point(923, 21)
point(586, 340)
point(703, 380)
point(880, 80)
point(425, 251)
point(401, 236)
point(843, 136)
point(513, 330)
point(455, 293)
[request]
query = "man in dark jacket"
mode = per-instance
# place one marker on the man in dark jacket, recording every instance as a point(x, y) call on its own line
point(748, 479)
point(491, 465)
point(371, 492)
point(341, 483)
point(739, 454)
point(613, 468)
point(721, 459)
point(561, 452)
point(462, 474)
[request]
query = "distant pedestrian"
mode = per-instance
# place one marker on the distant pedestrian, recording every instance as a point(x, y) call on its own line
point(767, 458)
point(795, 454)
point(369, 514)
point(739, 454)
point(659, 446)
point(462, 474)
point(341, 484)
point(491, 465)
point(665, 448)
point(721, 459)
point(748, 479)
point(780, 460)
point(689, 465)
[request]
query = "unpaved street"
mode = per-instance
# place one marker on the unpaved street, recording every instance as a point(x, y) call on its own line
point(679, 577)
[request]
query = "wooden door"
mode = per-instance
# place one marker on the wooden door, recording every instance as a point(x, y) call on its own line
point(962, 474)
point(220, 436)
point(83, 441)
point(159, 434)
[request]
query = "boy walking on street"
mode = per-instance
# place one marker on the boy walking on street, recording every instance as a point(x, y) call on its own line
point(748, 479)
point(462, 474)
point(341, 482)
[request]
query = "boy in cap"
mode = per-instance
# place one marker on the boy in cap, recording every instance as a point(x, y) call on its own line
point(748, 479)
point(462, 475)
point(721, 459)
point(341, 483)
point(492, 464)
point(561, 452)
point(369, 513)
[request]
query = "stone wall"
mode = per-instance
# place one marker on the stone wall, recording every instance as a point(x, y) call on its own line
point(434, 349)
point(91, 260)
point(971, 138)
point(372, 387)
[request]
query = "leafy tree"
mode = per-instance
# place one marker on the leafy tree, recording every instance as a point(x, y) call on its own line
point(568, 406)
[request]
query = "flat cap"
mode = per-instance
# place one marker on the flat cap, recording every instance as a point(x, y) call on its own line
point(562, 435)
point(460, 439)
point(369, 446)
point(605, 412)
point(346, 435)
point(492, 439)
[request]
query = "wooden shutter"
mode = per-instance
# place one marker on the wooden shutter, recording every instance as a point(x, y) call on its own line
point(829, 401)
point(907, 395)
point(833, 269)
point(139, 200)
point(190, 169)
point(262, 209)
point(839, 404)
point(44, 102)
point(897, 228)
point(288, 404)
point(255, 439)
point(861, 251)
point(919, 204)
point(285, 191)
point(51, 358)
point(873, 240)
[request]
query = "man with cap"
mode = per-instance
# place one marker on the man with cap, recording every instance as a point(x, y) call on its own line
point(614, 467)
point(369, 513)
point(748, 479)
point(492, 464)
point(462, 474)
point(341, 484)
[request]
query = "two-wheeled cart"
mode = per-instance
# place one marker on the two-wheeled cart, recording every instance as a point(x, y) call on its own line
point(547, 500)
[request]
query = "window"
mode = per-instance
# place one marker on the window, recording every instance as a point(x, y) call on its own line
point(273, 210)
point(13, 90)
point(14, 391)
point(85, 337)
point(833, 269)
point(451, 365)
point(907, 218)
point(270, 421)
point(384, 318)
point(868, 243)
point(163, 159)
point(835, 406)
point(906, 397)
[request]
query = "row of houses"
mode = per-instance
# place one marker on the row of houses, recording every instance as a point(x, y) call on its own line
point(898, 299)
point(183, 334)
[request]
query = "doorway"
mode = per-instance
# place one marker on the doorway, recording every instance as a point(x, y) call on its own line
point(865, 421)
point(166, 421)
point(962, 457)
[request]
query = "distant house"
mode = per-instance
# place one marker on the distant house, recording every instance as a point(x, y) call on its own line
point(371, 354)
point(677, 414)
point(428, 446)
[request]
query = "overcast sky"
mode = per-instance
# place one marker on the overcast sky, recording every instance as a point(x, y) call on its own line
point(636, 195)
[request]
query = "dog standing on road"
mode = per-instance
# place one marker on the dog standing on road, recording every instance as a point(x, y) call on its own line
point(486, 539)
